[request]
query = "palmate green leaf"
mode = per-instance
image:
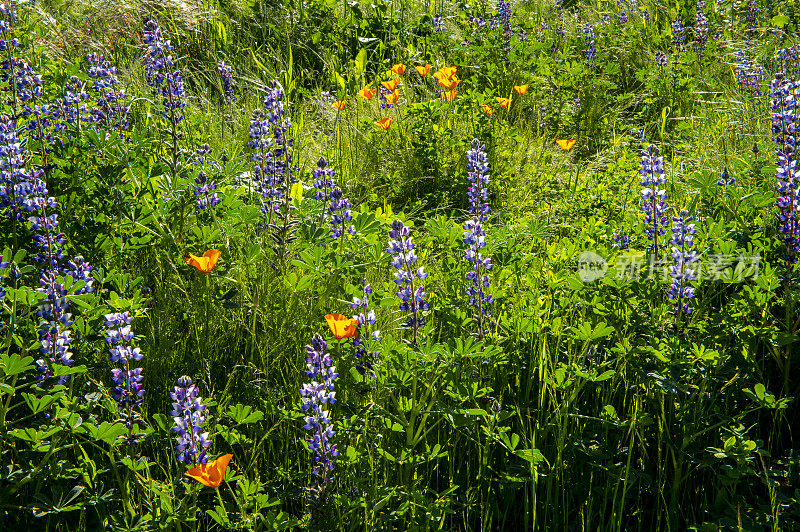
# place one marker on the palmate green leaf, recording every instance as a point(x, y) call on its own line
point(15, 364)
point(107, 432)
point(244, 414)
point(32, 435)
point(38, 404)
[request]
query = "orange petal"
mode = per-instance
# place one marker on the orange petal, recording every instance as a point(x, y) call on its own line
point(384, 123)
point(566, 145)
point(423, 70)
point(399, 69)
point(340, 104)
point(367, 93)
point(521, 89)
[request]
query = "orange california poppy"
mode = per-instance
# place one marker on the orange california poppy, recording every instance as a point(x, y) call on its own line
point(367, 93)
point(423, 70)
point(444, 73)
point(488, 110)
point(391, 84)
point(391, 99)
point(205, 263)
point(384, 123)
point(450, 83)
point(210, 474)
point(342, 326)
point(340, 104)
point(449, 95)
point(521, 89)
point(399, 69)
point(504, 102)
point(566, 145)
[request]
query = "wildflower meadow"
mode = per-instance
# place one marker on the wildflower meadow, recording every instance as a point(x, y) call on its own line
point(400, 265)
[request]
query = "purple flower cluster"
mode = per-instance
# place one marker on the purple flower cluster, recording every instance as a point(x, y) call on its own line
point(589, 50)
point(475, 233)
point(678, 34)
point(749, 75)
point(653, 196)
point(661, 59)
point(623, 13)
point(412, 298)
point(701, 29)
point(438, 23)
point(504, 10)
point(726, 179)
point(752, 14)
point(15, 186)
point(225, 75)
point(205, 190)
point(784, 94)
point(316, 396)
point(621, 240)
point(364, 343)
point(73, 107)
point(682, 272)
point(160, 75)
point(111, 106)
point(188, 413)
point(338, 207)
point(127, 390)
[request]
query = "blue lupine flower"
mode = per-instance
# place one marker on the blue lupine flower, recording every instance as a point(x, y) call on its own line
point(678, 36)
point(15, 184)
point(749, 75)
point(621, 240)
point(682, 272)
point(727, 179)
point(227, 81)
point(752, 14)
point(127, 390)
point(784, 94)
point(166, 82)
point(475, 233)
point(339, 210)
point(365, 343)
point(661, 59)
point(653, 196)
point(111, 107)
point(316, 396)
point(323, 180)
point(438, 23)
point(701, 28)
point(589, 46)
point(504, 10)
point(412, 298)
point(205, 190)
point(188, 413)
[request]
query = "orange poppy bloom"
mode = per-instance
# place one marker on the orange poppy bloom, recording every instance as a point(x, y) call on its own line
point(423, 70)
point(342, 326)
point(450, 83)
point(205, 263)
point(488, 110)
point(521, 89)
point(391, 84)
point(399, 69)
point(391, 99)
point(504, 102)
point(449, 95)
point(367, 93)
point(566, 145)
point(210, 474)
point(384, 123)
point(444, 73)
point(340, 104)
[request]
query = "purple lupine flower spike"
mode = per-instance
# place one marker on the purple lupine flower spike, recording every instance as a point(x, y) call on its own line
point(654, 196)
point(589, 46)
point(225, 74)
point(682, 272)
point(784, 94)
point(475, 234)
point(188, 412)
point(128, 390)
point(412, 298)
point(316, 397)
point(365, 343)
point(205, 190)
